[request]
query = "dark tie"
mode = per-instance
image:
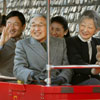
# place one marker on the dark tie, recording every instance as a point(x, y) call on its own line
point(44, 46)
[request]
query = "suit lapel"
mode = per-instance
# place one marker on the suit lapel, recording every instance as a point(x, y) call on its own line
point(37, 48)
point(53, 50)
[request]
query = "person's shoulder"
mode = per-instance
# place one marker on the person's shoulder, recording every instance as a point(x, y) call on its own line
point(96, 40)
point(73, 38)
point(57, 38)
point(24, 41)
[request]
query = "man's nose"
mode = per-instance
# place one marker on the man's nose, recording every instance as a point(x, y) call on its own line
point(85, 29)
point(37, 27)
point(53, 32)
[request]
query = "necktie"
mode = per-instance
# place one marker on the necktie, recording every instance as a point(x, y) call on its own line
point(44, 46)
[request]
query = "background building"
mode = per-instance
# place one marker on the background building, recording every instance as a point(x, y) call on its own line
point(71, 9)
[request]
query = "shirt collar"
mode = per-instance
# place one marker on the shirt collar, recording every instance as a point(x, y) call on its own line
point(83, 39)
point(15, 39)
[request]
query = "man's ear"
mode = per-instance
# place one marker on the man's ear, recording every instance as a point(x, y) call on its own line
point(24, 26)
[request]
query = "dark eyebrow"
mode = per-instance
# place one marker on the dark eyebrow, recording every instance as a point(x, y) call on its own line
point(32, 23)
point(11, 22)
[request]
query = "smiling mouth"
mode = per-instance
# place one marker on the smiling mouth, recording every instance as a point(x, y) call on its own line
point(37, 33)
point(12, 32)
point(85, 34)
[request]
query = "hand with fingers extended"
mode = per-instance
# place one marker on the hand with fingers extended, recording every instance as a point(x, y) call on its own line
point(5, 35)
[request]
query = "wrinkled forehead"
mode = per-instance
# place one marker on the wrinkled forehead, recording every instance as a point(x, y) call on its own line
point(38, 20)
point(38, 15)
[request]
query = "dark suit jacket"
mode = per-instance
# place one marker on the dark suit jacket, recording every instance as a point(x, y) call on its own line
point(7, 58)
point(30, 56)
point(78, 54)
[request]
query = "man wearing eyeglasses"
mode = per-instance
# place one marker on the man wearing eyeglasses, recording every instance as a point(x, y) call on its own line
point(31, 56)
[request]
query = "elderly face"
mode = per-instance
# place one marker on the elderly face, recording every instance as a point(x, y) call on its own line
point(15, 27)
point(87, 28)
point(38, 28)
point(57, 30)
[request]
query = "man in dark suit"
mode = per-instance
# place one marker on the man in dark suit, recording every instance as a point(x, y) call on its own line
point(31, 56)
point(15, 24)
point(82, 48)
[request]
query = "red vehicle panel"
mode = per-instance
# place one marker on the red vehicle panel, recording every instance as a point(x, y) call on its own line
point(12, 91)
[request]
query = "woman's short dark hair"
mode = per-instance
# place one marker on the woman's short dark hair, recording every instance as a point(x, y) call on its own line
point(61, 20)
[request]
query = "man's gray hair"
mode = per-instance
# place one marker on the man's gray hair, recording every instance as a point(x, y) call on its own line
point(92, 15)
point(38, 15)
